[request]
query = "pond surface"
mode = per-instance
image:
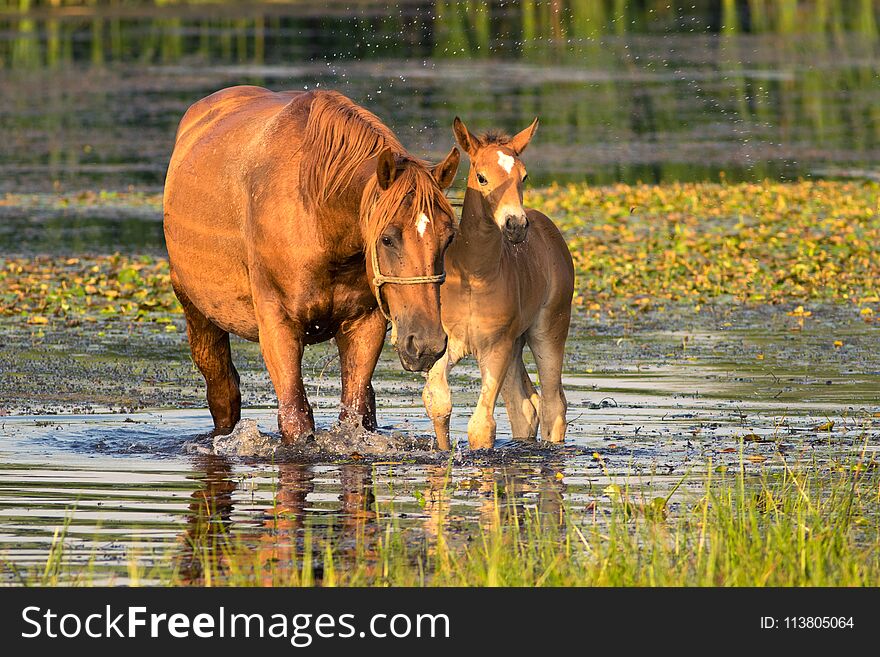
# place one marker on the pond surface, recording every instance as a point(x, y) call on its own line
point(91, 95)
point(96, 426)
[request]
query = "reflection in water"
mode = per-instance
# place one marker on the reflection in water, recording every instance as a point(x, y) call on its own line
point(128, 509)
point(316, 513)
point(626, 91)
point(208, 520)
point(285, 533)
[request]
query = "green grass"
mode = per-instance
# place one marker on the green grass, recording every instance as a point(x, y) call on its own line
point(808, 524)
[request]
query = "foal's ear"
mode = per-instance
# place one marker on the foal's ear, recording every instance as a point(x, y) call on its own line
point(386, 168)
point(465, 138)
point(444, 173)
point(519, 142)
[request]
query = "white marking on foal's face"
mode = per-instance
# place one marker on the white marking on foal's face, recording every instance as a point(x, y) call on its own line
point(422, 224)
point(506, 161)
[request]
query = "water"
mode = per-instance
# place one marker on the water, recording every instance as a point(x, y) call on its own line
point(671, 91)
point(653, 410)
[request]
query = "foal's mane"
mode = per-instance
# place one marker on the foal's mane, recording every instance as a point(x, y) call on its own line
point(339, 137)
point(494, 137)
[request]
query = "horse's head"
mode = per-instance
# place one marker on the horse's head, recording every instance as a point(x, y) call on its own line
point(497, 174)
point(409, 225)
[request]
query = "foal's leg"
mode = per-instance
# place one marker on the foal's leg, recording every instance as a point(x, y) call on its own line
point(359, 347)
point(546, 339)
point(211, 354)
point(438, 399)
point(493, 368)
point(281, 342)
point(520, 397)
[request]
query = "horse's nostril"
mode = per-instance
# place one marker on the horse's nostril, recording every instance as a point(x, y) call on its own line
point(421, 353)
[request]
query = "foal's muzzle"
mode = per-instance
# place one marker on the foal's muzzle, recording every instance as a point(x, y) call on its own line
point(515, 228)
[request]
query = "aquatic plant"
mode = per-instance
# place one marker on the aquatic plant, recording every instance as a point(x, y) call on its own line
point(634, 247)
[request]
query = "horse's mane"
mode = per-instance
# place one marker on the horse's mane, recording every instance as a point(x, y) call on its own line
point(339, 137)
point(378, 206)
point(495, 137)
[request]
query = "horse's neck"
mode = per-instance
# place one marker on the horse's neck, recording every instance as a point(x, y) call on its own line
point(478, 247)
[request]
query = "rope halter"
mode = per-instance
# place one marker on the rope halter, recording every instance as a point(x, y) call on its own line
point(380, 279)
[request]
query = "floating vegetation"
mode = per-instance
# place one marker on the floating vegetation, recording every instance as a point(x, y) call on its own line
point(634, 247)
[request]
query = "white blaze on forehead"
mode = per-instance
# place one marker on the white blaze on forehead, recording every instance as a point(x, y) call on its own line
point(505, 161)
point(422, 224)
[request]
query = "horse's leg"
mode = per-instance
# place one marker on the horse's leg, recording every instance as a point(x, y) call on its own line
point(493, 368)
point(438, 399)
point(546, 339)
point(282, 346)
point(211, 354)
point(359, 348)
point(520, 397)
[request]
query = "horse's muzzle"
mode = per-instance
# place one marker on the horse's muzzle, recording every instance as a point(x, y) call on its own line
point(516, 228)
point(418, 354)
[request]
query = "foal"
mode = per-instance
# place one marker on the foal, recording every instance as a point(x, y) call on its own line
point(509, 282)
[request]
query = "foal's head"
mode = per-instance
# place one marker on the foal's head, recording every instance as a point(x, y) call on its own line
point(409, 225)
point(497, 174)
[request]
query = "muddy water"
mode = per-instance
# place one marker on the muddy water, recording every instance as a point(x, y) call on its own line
point(653, 403)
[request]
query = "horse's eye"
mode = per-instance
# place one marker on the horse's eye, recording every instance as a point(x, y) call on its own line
point(525, 177)
point(387, 241)
point(482, 179)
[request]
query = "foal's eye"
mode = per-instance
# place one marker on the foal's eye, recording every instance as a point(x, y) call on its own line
point(482, 179)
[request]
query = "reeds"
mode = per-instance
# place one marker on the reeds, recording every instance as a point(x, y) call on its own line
point(794, 524)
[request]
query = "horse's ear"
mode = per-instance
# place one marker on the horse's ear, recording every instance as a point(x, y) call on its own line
point(444, 173)
point(386, 168)
point(519, 142)
point(465, 138)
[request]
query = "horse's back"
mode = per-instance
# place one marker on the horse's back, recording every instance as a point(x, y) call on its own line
point(228, 110)
point(207, 200)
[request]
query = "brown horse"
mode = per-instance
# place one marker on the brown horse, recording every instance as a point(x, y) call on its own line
point(510, 281)
point(296, 217)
